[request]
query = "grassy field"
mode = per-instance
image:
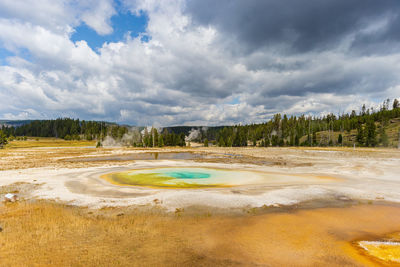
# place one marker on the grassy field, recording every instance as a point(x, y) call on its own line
point(48, 142)
point(45, 152)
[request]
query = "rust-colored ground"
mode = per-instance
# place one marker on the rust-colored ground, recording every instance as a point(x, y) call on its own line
point(46, 234)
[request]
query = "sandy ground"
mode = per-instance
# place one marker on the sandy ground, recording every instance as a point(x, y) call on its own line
point(329, 200)
point(66, 175)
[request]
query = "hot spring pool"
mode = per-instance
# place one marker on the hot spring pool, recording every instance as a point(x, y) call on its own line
point(183, 177)
point(201, 177)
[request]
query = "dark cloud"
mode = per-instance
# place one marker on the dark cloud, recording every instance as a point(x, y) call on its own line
point(296, 25)
point(206, 62)
point(383, 37)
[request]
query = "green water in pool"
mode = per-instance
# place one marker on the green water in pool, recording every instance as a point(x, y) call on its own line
point(202, 177)
point(177, 177)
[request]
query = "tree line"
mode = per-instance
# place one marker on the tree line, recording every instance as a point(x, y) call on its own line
point(366, 128)
point(66, 128)
point(74, 129)
point(370, 125)
point(153, 138)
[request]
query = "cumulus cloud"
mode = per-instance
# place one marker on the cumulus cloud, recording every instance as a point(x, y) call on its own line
point(61, 16)
point(205, 62)
point(98, 18)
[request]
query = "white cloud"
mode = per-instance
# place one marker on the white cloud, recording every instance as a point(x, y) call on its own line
point(185, 74)
point(97, 16)
point(61, 16)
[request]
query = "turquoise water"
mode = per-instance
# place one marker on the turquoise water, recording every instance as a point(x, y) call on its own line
point(187, 175)
point(200, 177)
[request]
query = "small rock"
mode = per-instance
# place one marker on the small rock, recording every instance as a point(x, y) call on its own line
point(10, 197)
point(343, 198)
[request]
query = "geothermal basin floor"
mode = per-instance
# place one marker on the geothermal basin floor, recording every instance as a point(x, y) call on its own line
point(332, 176)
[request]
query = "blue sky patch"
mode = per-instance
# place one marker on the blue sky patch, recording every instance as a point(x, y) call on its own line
point(4, 53)
point(21, 52)
point(234, 101)
point(122, 23)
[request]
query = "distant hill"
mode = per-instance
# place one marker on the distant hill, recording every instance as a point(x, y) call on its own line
point(14, 123)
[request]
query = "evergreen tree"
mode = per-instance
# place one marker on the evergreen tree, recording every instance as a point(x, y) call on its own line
point(360, 134)
point(147, 139)
point(229, 142)
point(262, 144)
point(396, 104)
point(383, 137)
point(155, 137)
point(206, 142)
point(291, 142)
point(296, 140)
point(254, 141)
point(267, 142)
point(281, 142)
point(182, 141)
point(221, 141)
point(98, 144)
point(160, 141)
point(370, 135)
point(314, 138)
point(3, 139)
point(340, 139)
point(274, 140)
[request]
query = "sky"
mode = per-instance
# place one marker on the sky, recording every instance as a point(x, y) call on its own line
point(195, 62)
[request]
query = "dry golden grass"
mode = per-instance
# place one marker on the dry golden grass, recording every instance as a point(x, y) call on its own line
point(48, 234)
point(48, 142)
point(23, 158)
point(43, 152)
point(52, 152)
point(54, 235)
